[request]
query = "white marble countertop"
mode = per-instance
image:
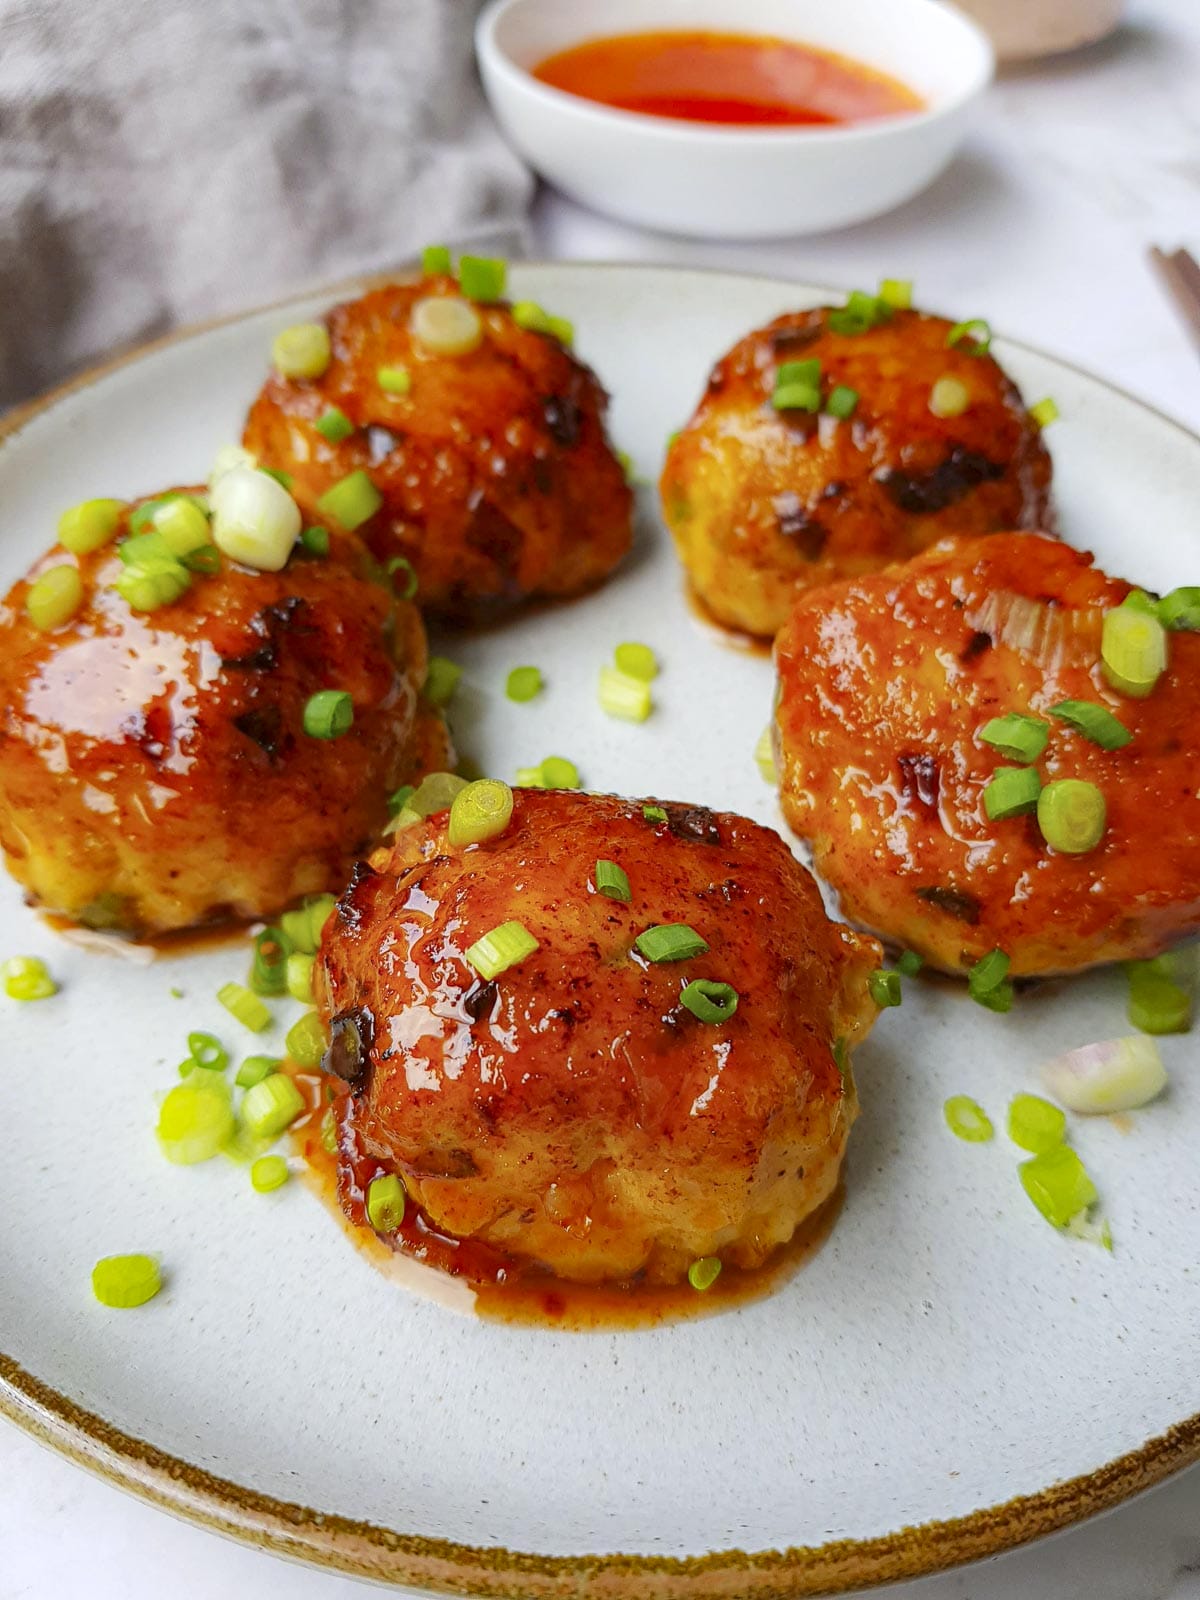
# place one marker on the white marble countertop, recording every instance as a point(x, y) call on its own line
point(1043, 226)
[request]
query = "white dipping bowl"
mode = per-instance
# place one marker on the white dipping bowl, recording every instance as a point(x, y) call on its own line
point(718, 182)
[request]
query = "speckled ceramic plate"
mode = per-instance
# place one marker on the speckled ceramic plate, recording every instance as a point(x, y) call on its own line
point(947, 1376)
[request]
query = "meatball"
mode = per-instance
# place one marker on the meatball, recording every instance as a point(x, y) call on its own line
point(155, 772)
point(572, 1112)
point(885, 685)
point(764, 503)
point(496, 476)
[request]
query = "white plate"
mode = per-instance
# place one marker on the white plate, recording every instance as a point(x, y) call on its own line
point(944, 1354)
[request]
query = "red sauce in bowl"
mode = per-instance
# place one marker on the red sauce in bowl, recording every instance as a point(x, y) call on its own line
point(735, 79)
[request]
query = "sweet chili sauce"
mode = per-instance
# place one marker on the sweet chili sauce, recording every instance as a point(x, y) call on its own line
point(735, 79)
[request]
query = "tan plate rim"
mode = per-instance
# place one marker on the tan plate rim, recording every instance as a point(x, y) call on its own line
point(364, 1550)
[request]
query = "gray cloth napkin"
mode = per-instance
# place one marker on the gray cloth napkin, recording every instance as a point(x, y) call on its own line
point(168, 160)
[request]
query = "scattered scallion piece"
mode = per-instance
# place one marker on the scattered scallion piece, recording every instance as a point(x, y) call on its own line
point(268, 971)
point(624, 697)
point(708, 1000)
point(501, 948)
point(974, 335)
point(1016, 736)
point(300, 977)
point(403, 575)
point(842, 401)
point(206, 560)
point(670, 941)
point(255, 520)
point(302, 351)
point(860, 314)
point(1110, 1075)
point(1043, 412)
point(1094, 722)
point(529, 315)
point(385, 1203)
point(482, 278)
point(909, 963)
point(987, 982)
point(351, 501)
point(333, 424)
point(244, 1005)
point(315, 540)
point(1178, 611)
point(764, 756)
point(319, 909)
point(1058, 1184)
point(123, 1282)
point(612, 880)
point(704, 1273)
point(441, 680)
point(401, 797)
point(268, 1173)
point(436, 792)
point(305, 1042)
point(152, 587)
point(329, 1139)
point(226, 458)
point(884, 987)
point(394, 380)
point(328, 714)
point(182, 526)
point(481, 811)
point(896, 292)
point(949, 397)
point(1133, 650)
point(254, 1069)
point(654, 814)
point(1156, 1003)
point(90, 525)
point(1012, 792)
point(1034, 1124)
point(523, 684)
point(435, 261)
point(207, 1051)
point(807, 373)
point(560, 773)
point(445, 326)
point(796, 397)
point(296, 929)
point(1139, 600)
point(967, 1119)
point(1072, 815)
point(195, 1119)
point(271, 1106)
point(27, 978)
point(54, 598)
point(636, 661)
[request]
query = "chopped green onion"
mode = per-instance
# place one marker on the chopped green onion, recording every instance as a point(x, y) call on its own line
point(1015, 736)
point(271, 1106)
point(709, 1001)
point(1133, 650)
point(400, 799)
point(206, 560)
point(400, 567)
point(320, 908)
point(277, 475)
point(704, 1273)
point(482, 277)
point(182, 526)
point(670, 941)
point(612, 880)
point(636, 661)
point(268, 973)
point(896, 292)
point(394, 380)
point(987, 982)
point(974, 335)
point(1096, 723)
point(860, 314)
point(654, 814)
point(807, 373)
point(146, 550)
point(559, 773)
point(1178, 611)
point(328, 714)
point(150, 588)
point(884, 987)
point(27, 978)
point(446, 327)
point(1013, 792)
point(435, 261)
point(245, 1006)
point(329, 1139)
point(623, 696)
point(1058, 1184)
point(481, 811)
point(89, 525)
point(315, 540)
point(797, 397)
point(529, 315)
point(226, 458)
point(500, 949)
point(297, 933)
point(909, 963)
point(764, 756)
point(441, 680)
point(385, 1203)
point(268, 1173)
point(1156, 1003)
point(300, 977)
point(254, 1069)
point(1044, 412)
point(123, 1282)
point(195, 1119)
point(142, 517)
point(255, 520)
point(351, 501)
point(967, 1119)
point(1139, 600)
point(562, 328)
point(436, 792)
point(302, 351)
point(523, 683)
point(949, 397)
point(842, 401)
point(333, 424)
point(1111, 1075)
point(54, 598)
point(1071, 815)
point(305, 1042)
point(1035, 1124)
point(529, 778)
point(207, 1051)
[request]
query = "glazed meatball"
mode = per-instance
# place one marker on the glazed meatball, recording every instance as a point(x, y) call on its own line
point(765, 503)
point(496, 477)
point(155, 771)
point(572, 1112)
point(886, 686)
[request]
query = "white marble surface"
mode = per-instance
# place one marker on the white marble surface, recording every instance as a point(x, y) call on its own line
point(1042, 226)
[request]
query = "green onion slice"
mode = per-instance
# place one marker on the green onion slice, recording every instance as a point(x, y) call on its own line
point(1043, 412)
point(884, 987)
point(1016, 736)
point(559, 773)
point(268, 971)
point(333, 424)
point(709, 1001)
point(987, 982)
point(89, 525)
point(704, 1273)
point(909, 963)
point(394, 380)
point(896, 292)
point(254, 1069)
point(435, 261)
point(1012, 792)
point(1109, 1075)
point(482, 278)
point(1058, 1184)
point(385, 1203)
point(1157, 1004)
point(302, 351)
point(807, 373)
point(1072, 815)
point(1179, 611)
point(268, 1173)
point(403, 575)
point(611, 880)
point(625, 697)
point(1094, 722)
point(1034, 1124)
point(305, 1042)
point(523, 684)
point(949, 397)
point(245, 1006)
point(974, 335)
point(636, 661)
point(271, 1106)
point(299, 970)
point(123, 1282)
point(441, 680)
point(670, 941)
point(1133, 650)
point(654, 814)
point(797, 397)
point(967, 1119)
point(351, 501)
point(500, 949)
point(195, 1119)
point(27, 978)
point(207, 1051)
point(315, 540)
point(328, 714)
point(842, 401)
point(481, 811)
point(436, 792)
point(54, 598)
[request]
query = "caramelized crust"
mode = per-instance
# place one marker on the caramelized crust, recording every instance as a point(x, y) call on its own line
point(572, 1113)
point(884, 684)
point(497, 477)
point(764, 504)
point(154, 770)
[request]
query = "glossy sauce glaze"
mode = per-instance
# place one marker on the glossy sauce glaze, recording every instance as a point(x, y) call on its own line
point(734, 79)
